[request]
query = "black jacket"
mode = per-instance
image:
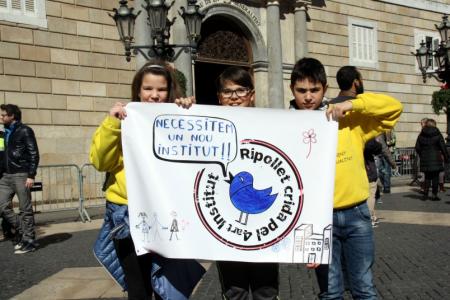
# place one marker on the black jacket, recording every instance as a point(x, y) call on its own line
point(431, 149)
point(2, 151)
point(21, 151)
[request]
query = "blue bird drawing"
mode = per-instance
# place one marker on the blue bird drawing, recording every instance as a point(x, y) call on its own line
point(246, 198)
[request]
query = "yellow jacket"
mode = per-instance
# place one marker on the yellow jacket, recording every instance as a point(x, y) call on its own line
point(371, 115)
point(106, 156)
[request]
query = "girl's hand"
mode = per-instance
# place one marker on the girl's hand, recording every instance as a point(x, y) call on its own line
point(185, 102)
point(118, 111)
point(337, 111)
point(312, 266)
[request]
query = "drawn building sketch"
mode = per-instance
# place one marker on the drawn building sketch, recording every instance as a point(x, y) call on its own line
point(311, 247)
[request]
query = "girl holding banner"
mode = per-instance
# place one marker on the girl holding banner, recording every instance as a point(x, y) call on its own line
point(153, 83)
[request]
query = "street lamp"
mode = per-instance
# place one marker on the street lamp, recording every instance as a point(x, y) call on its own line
point(157, 11)
point(425, 54)
point(441, 56)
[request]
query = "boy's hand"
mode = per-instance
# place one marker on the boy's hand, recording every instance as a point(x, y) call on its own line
point(185, 102)
point(337, 111)
point(312, 266)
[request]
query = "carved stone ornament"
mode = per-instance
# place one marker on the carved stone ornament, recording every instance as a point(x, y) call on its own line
point(225, 46)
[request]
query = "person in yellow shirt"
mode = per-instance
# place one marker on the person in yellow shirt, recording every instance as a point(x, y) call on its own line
point(361, 118)
point(153, 83)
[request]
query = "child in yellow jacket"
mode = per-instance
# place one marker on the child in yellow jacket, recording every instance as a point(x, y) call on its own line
point(153, 83)
point(360, 120)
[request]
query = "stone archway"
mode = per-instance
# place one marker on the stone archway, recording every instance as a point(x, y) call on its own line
point(229, 38)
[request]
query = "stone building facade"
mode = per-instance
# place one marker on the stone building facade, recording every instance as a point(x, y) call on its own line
point(62, 63)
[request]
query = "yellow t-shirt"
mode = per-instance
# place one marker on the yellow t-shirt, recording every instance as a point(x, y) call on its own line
point(371, 115)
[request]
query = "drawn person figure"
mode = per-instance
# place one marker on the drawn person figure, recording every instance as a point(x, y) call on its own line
point(174, 226)
point(153, 83)
point(144, 227)
point(361, 118)
point(235, 88)
point(155, 226)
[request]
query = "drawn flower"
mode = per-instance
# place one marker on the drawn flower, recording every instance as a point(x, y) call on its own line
point(309, 137)
point(184, 224)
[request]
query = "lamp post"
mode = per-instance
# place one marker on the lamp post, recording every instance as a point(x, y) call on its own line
point(157, 11)
point(425, 55)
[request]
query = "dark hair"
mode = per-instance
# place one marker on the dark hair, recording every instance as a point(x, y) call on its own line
point(311, 69)
point(155, 67)
point(237, 75)
point(12, 110)
point(346, 76)
point(431, 123)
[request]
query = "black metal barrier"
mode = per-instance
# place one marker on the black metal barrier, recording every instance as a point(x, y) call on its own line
point(37, 187)
point(408, 163)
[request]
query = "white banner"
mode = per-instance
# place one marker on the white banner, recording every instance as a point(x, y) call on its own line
point(227, 183)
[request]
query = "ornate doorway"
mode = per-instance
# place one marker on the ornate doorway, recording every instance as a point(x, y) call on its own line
point(223, 44)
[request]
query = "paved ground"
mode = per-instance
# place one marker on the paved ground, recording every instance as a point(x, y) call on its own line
point(412, 258)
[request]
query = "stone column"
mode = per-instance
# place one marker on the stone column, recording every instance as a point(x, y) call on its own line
point(300, 31)
point(179, 36)
point(142, 33)
point(276, 93)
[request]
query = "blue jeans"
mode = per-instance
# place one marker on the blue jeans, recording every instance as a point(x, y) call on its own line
point(385, 173)
point(352, 258)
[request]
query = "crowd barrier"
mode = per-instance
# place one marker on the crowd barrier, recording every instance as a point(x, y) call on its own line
point(67, 187)
point(407, 162)
point(59, 188)
point(92, 183)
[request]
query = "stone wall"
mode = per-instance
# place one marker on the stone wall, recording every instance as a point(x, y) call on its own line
point(396, 74)
point(65, 77)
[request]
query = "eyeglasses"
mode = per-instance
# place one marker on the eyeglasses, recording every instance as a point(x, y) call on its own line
point(240, 92)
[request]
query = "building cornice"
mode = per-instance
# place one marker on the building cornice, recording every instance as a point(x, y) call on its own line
point(422, 4)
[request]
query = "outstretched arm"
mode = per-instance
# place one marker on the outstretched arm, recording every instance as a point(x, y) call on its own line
point(371, 114)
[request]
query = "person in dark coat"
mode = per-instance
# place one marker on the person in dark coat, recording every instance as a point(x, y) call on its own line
point(430, 146)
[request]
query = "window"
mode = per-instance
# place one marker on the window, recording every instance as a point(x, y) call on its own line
point(362, 39)
point(30, 12)
point(432, 40)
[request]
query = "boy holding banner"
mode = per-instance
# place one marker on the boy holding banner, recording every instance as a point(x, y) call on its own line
point(235, 88)
point(360, 120)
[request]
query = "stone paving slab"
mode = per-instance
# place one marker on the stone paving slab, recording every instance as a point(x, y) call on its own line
point(412, 261)
point(74, 283)
point(413, 217)
point(412, 201)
